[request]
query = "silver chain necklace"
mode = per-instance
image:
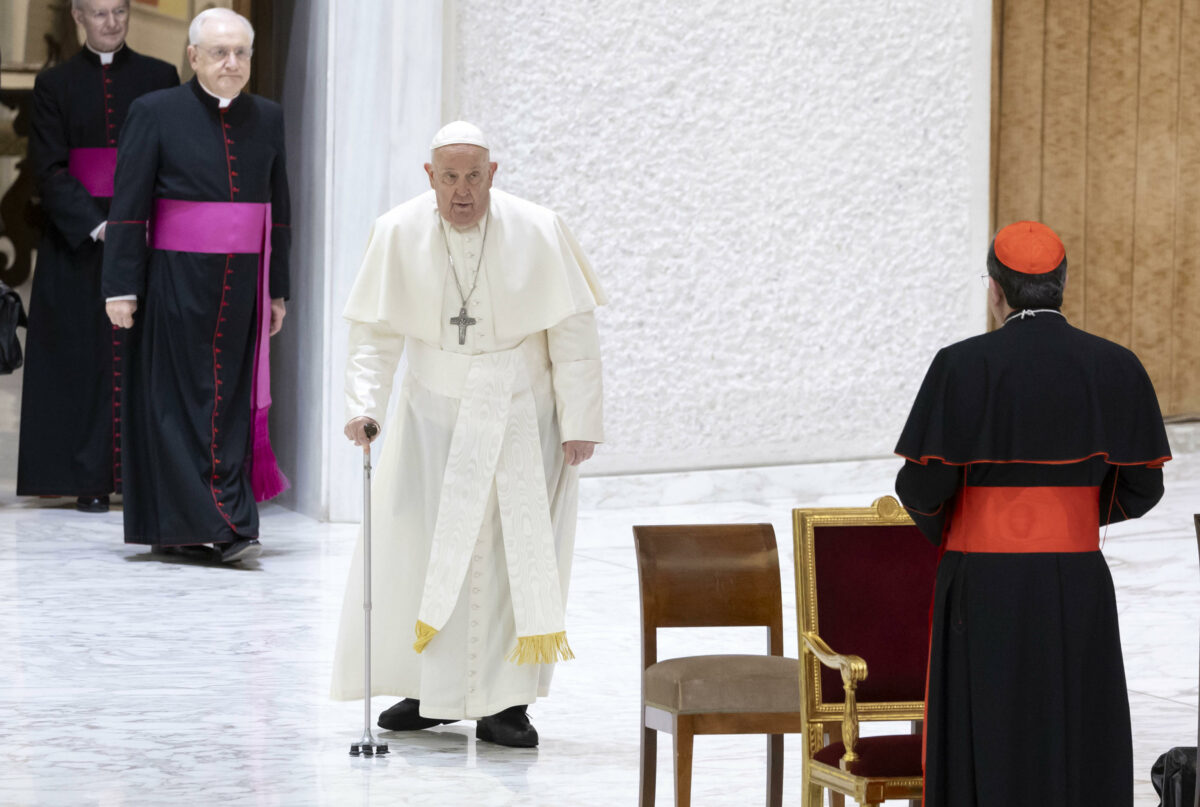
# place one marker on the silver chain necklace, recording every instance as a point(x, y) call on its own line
point(462, 320)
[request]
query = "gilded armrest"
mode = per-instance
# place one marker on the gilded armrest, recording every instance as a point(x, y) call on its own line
point(853, 670)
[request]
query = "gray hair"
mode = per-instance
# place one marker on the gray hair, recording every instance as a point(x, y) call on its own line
point(77, 5)
point(197, 27)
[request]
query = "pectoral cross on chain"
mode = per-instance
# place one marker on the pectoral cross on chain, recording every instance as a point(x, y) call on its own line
point(463, 322)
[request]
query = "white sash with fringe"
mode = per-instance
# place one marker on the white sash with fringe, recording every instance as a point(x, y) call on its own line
point(495, 439)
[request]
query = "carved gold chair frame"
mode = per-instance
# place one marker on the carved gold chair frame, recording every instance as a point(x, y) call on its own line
point(826, 722)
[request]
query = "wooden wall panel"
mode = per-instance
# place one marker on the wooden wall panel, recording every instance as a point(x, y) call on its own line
point(997, 26)
point(1183, 394)
point(1064, 163)
point(1154, 195)
point(1096, 131)
point(1019, 151)
point(1112, 167)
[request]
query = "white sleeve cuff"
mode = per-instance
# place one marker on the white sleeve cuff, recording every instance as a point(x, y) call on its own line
point(121, 297)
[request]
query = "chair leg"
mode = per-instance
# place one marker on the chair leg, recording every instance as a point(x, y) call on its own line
point(649, 767)
point(683, 761)
point(833, 735)
point(814, 796)
point(918, 727)
point(774, 770)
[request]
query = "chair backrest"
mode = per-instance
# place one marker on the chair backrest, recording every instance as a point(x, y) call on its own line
point(864, 584)
point(708, 575)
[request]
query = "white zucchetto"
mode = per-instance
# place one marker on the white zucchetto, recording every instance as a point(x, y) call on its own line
point(459, 132)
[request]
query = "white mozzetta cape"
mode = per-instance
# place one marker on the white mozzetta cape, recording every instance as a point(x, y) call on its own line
point(538, 272)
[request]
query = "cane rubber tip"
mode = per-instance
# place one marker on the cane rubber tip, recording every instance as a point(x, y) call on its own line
point(367, 749)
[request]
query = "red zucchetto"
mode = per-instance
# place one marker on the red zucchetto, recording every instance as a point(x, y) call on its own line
point(1029, 247)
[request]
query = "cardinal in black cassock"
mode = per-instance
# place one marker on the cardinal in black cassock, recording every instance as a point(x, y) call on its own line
point(196, 160)
point(70, 399)
point(1021, 445)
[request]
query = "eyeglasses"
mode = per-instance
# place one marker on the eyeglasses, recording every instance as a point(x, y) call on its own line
point(119, 13)
point(984, 278)
point(450, 178)
point(221, 54)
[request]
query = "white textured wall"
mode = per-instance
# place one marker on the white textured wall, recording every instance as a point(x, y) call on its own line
point(782, 197)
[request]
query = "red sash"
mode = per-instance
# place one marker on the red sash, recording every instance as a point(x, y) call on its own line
point(1033, 519)
point(239, 228)
point(94, 168)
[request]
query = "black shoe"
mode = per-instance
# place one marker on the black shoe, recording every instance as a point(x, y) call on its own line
point(92, 504)
point(510, 727)
point(406, 716)
point(194, 552)
point(244, 549)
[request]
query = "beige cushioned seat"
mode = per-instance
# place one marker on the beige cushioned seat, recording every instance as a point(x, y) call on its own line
point(731, 683)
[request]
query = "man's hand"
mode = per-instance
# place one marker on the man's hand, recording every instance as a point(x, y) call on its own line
point(120, 312)
point(356, 430)
point(278, 312)
point(577, 451)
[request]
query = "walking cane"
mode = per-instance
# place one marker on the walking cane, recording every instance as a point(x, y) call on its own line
point(367, 744)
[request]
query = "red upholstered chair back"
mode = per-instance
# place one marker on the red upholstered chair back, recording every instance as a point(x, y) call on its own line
point(864, 582)
point(708, 575)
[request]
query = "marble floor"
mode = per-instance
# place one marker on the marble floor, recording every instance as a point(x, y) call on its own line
point(131, 681)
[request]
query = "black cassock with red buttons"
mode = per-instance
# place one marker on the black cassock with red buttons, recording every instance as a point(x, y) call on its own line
point(70, 405)
point(189, 374)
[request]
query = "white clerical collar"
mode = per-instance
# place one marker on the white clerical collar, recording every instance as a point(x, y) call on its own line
point(479, 227)
point(1031, 312)
point(222, 102)
point(105, 58)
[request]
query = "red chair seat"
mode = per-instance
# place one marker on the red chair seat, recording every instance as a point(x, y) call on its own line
point(891, 756)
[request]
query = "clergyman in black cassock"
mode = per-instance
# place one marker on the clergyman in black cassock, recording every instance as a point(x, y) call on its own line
point(1022, 444)
point(70, 406)
point(187, 418)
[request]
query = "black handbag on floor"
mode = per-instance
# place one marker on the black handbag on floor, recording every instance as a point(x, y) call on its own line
point(12, 314)
point(1174, 777)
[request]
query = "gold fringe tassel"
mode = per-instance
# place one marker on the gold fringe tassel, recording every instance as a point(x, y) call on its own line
point(424, 634)
point(545, 649)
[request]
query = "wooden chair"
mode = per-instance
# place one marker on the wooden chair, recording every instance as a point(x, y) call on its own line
point(713, 576)
point(864, 581)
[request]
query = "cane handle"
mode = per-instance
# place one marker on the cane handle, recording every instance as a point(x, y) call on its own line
point(370, 429)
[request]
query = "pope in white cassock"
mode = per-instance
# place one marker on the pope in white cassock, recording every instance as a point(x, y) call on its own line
point(491, 300)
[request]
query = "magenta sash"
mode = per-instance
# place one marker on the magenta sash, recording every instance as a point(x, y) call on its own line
point(94, 168)
point(239, 228)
